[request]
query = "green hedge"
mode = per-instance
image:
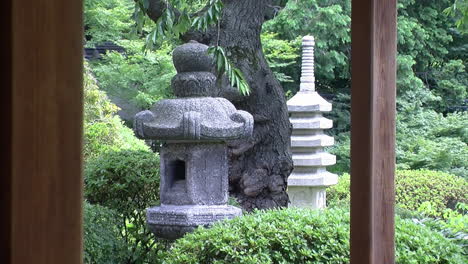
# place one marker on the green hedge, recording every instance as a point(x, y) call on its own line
point(127, 181)
point(431, 192)
point(103, 130)
point(124, 180)
point(102, 241)
point(301, 236)
point(110, 135)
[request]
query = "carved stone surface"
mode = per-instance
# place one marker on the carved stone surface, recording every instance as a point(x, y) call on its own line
point(172, 222)
point(193, 116)
point(188, 84)
point(309, 179)
point(194, 165)
point(202, 185)
point(201, 118)
point(192, 57)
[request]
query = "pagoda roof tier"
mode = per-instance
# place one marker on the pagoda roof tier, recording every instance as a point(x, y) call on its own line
point(308, 101)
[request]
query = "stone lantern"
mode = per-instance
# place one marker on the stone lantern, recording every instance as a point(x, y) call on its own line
point(309, 179)
point(194, 129)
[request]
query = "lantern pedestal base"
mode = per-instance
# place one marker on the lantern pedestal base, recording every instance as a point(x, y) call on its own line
point(174, 221)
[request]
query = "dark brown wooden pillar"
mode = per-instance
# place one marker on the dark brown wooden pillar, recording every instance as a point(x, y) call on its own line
point(373, 27)
point(41, 123)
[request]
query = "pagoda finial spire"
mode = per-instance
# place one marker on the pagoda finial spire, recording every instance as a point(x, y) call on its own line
point(307, 74)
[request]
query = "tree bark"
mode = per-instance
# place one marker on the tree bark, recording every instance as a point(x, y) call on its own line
point(259, 167)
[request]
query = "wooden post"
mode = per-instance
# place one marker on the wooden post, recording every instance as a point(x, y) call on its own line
point(373, 92)
point(41, 103)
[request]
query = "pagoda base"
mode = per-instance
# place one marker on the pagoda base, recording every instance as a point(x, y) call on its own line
point(307, 197)
point(310, 191)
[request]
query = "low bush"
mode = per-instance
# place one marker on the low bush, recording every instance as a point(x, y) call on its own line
point(127, 181)
point(102, 241)
point(109, 135)
point(342, 151)
point(103, 130)
point(454, 226)
point(97, 106)
point(429, 192)
point(301, 236)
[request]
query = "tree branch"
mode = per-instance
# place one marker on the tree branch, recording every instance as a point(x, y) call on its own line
point(273, 8)
point(156, 9)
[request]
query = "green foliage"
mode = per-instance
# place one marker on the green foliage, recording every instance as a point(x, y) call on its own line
point(459, 10)
point(425, 139)
point(416, 243)
point(342, 150)
point(453, 225)
point(281, 55)
point(441, 190)
point(275, 236)
point(329, 22)
point(190, 15)
point(339, 194)
point(211, 15)
point(429, 192)
point(97, 107)
point(431, 54)
point(426, 40)
point(172, 24)
point(341, 113)
point(109, 135)
point(452, 82)
point(428, 140)
point(102, 241)
point(108, 20)
point(139, 78)
point(301, 236)
point(114, 177)
point(224, 66)
point(127, 181)
point(122, 177)
point(103, 131)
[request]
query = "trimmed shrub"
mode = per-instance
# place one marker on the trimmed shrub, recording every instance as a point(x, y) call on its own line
point(97, 106)
point(103, 130)
point(430, 192)
point(110, 135)
point(418, 244)
point(342, 150)
point(301, 236)
point(127, 181)
point(274, 236)
point(102, 241)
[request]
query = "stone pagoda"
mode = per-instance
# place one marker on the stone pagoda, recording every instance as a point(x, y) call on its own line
point(194, 129)
point(309, 179)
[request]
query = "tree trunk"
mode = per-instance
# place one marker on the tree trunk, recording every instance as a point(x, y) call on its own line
point(259, 167)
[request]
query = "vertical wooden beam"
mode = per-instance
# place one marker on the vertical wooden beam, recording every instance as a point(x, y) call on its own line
point(43, 117)
point(5, 132)
point(373, 92)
